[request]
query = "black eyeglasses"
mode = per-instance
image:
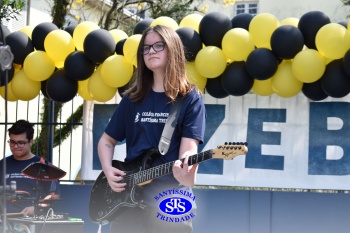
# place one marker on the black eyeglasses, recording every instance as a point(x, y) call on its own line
point(157, 47)
point(20, 144)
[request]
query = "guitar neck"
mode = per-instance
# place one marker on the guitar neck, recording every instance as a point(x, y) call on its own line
point(167, 168)
point(228, 151)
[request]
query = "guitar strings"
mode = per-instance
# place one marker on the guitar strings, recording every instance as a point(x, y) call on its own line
point(149, 171)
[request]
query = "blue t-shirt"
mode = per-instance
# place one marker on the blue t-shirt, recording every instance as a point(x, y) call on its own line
point(24, 183)
point(141, 125)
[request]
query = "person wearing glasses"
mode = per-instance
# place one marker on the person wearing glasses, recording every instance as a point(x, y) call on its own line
point(28, 189)
point(139, 119)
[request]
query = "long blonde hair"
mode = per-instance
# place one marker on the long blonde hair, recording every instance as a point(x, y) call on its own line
point(175, 80)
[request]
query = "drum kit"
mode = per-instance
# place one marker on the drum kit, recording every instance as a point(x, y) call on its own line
point(39, 171)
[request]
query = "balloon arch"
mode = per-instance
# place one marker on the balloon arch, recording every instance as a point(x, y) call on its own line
point(245, 54)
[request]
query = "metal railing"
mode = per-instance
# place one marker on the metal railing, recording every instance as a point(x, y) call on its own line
point(67, 153)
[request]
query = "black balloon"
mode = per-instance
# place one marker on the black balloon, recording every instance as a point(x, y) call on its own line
point(122, 89)
point(142, 25)
point(214, 88)
point(235, 80)
point(309, 24)
point(119, 47)
point(21, 46)
point(335, 82)
point(70, 29)
point(262, 63)
point(287, 41)
point(213, 28)
point(78, 67)
point(43, 88)
point(343, 23)
point(4, 32)
point(39, 34)
point(242, 21)
point(9, 73)
point(346, 62)
point(60, 88)
point(314, 91)
point(191, 41)
point(99, 45)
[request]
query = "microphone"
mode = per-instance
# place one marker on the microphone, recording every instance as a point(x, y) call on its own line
point(9, 188)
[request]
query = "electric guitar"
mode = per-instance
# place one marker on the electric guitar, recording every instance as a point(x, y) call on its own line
point(105, 204)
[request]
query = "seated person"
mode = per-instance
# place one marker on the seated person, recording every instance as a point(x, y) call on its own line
point(21, 139)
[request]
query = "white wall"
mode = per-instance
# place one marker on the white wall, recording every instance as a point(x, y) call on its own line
point(282, 9)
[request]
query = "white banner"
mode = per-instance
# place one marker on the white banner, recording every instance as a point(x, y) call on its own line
point(293, 142)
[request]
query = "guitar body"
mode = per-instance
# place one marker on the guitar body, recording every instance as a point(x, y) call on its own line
point(105, 204)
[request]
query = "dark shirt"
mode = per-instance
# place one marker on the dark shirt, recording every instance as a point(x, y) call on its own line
point(142, 124)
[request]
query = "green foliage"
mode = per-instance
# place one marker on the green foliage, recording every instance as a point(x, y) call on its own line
point(115, 17)
point(61, 131)
point(345, 2)
point(59, 11)
point(176, 10)
point(65, 131)
point(9, 9)
point(41, 143)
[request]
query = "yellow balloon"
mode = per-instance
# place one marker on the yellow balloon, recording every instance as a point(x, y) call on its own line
point(118, 35)
point(59, 64)
point(116, 71)
point(308, 66)
point(130, 48)
point(290, 21)
point(194, 76)
point(38, 66)
point(263, 87)
point(58, 45)
point(10, 96)
point(333, 40)
point(237, 44)
point(328, 60)
point(100, 91)
point(23, 87)
point(191, 21)
point(165, 21)
point(210, 62)
point(261, 28)
point(81, 31)
point(28, 30)
point(83, 90)
point(17, 67)
point(283, 81)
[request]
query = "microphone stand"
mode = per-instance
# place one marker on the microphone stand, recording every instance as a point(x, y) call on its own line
point(6, 59)
point(37, 198)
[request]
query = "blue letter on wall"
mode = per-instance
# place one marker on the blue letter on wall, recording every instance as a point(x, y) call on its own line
point(257, 137)
point(320, 136)
point(215, 116)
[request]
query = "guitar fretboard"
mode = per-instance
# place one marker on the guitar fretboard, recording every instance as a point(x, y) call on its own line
point(166, 168)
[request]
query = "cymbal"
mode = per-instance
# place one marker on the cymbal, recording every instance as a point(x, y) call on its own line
point(51, 200)
point(43, 171)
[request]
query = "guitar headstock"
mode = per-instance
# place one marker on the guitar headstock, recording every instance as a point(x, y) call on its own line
point(230, 150)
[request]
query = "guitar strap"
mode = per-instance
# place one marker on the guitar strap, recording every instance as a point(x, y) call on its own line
point(169, 127)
